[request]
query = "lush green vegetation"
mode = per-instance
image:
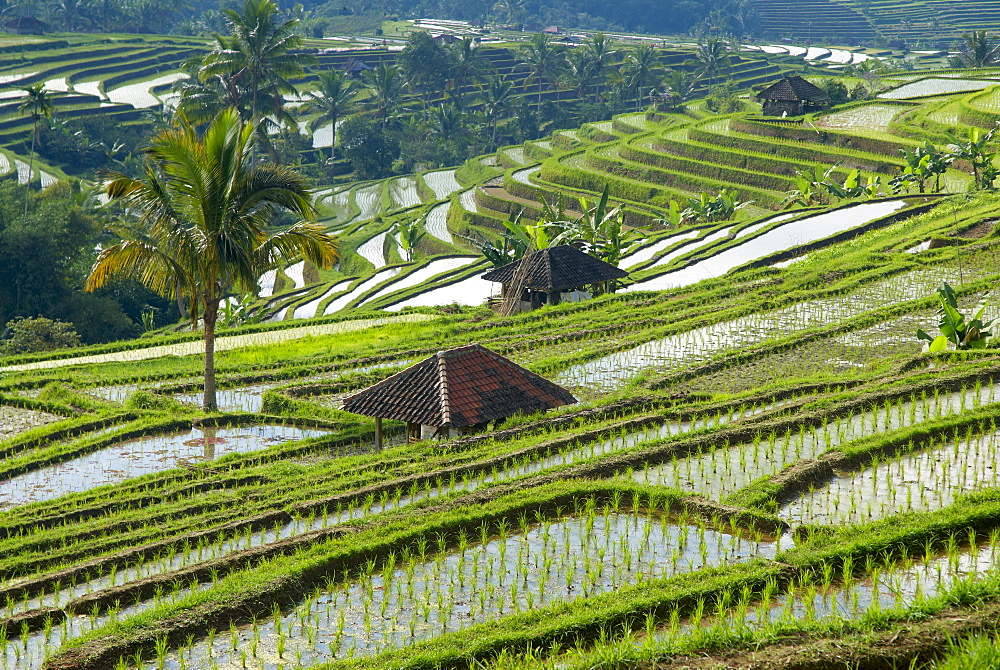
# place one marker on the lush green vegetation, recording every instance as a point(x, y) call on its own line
point(764, 459)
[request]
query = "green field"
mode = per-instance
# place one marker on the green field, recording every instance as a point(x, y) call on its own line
point(763, 464)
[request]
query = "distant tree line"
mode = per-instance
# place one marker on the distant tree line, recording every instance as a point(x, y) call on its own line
point(316, 17)
point(436, 105)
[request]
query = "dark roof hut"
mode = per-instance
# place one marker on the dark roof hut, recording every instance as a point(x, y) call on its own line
point(26, 25)
point(552, 271)
point(456, 391)
point(792, 96)
point(354, 68)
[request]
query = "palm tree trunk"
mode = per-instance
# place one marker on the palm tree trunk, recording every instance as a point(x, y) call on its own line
point(333, 139)
point(211, 314)
point(31, 163)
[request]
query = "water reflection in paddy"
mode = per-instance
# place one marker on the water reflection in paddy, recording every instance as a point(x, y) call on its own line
point(143, 456)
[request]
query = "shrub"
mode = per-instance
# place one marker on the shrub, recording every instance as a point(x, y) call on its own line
point(145, 400)
point(28, 335)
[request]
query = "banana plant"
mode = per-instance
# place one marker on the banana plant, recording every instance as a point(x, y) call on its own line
point(955, 330)
point(976, 150)
point(922, 163)
point(804, 194)
point(721, 207)
point(672, 216)
point(409, 233)
point(517, 239)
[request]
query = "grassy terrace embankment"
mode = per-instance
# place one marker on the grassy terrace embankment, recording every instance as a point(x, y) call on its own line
point(774, 402)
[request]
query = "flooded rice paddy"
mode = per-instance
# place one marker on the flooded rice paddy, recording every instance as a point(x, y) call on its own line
point(935, 86)
point(143, 456)
point(437, 222)
point(425, 273)
point(925, 480)
point(725, 470)
point(899, 586)
point(795, 233)
point(700, 344)
point(427, 590)
point(471, 291)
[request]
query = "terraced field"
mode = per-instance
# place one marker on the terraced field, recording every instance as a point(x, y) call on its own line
point(937, 20)
point(647, 160)
point(782, 469)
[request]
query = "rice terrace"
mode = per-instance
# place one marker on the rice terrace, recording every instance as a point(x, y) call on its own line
point(532, 336)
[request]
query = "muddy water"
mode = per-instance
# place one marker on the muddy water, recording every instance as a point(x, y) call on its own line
point(783, 237)
point(725, 470)
point(917, 482)
point(142, 456)
point(701, 344)
point(430, 593)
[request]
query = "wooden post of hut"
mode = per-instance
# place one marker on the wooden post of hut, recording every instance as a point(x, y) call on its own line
point(455, 391)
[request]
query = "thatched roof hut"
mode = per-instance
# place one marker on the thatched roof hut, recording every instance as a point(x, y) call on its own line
point(792, 96)
point(26, 25)
point(554, 271)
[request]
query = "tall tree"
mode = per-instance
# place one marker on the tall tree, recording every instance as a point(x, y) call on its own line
point(199, 222)
point(38, 104)
point(200, 99)
point(712, 58)
point(425, 64)
point(580, 71)
point(641, 71)
point(467, 65)
point(543, 59)
point(386, 83)
point(598, 47)
point(981, 50)
point(333, 99)
point(258, 54)
point(497, 95)
point(681, 85)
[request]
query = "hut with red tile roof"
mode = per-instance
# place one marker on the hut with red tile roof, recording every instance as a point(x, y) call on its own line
point(456, 391)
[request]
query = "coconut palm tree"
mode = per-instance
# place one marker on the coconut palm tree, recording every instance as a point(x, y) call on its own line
point(468, 65)
point(333, 99)
point(199, 222)
point(543, 59)
point(641, 71)
point(581, 71)
point(387, 85)
point(38, 104)
point(981, 50)
point(497, 96)
point(712, 57)
point(260, 55)
point(598, 47)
